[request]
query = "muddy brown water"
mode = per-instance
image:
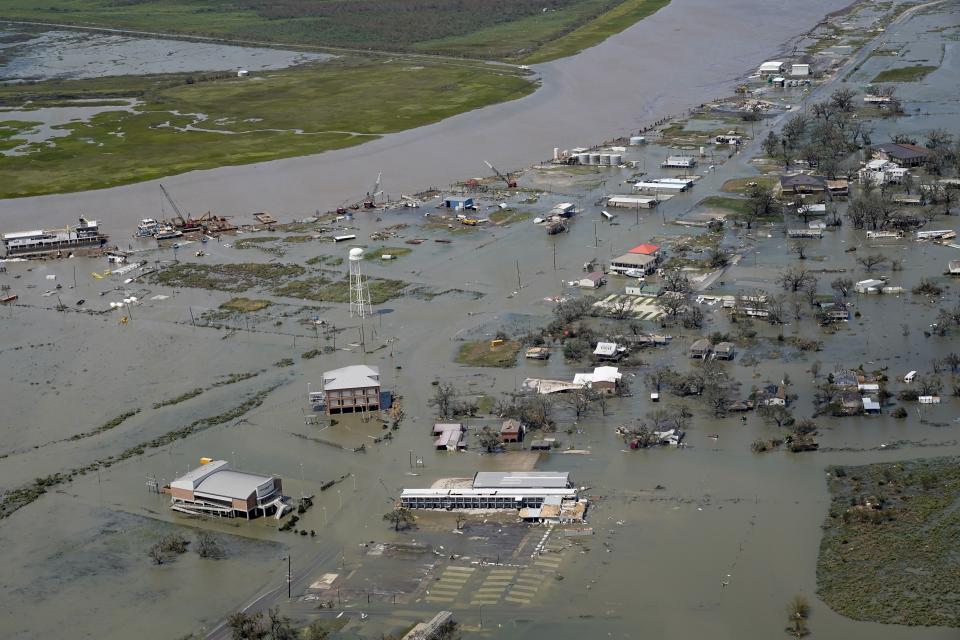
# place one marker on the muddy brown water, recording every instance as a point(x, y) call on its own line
point(659, 558)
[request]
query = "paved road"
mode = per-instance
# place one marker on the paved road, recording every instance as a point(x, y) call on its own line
point(303, 574)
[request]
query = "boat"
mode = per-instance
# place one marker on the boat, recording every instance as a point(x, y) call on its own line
point(8, 299)
point(167, 232)
point(147, 228)
point(200, 253)
point(40, 241)
point(714, 436)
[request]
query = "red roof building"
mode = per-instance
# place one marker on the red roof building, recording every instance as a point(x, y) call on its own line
point(645, 249)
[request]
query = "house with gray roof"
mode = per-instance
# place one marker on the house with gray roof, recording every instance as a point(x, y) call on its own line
point(352, 389)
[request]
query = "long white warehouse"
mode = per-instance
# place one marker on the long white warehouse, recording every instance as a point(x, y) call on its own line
point(492, 490)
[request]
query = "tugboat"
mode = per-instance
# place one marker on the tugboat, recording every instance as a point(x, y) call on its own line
point(147, 228)
point(166, 232)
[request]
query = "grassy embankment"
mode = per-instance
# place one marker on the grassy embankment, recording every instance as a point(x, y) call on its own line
point(377, 253)
point(278, 114)
point(914, 73)
point(889, 546)
point(481, 29)
point(738, 206)
point(482, 353)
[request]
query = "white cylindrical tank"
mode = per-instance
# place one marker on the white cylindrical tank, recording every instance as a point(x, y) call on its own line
point(594, 158)
point(703, 151)
point(634, 140)
point(616, 159)
point(605, 159)
point(583, 158)
point(356, 254)
point(556, 153)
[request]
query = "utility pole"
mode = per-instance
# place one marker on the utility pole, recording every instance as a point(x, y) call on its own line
point(289, 577)
point(519, 285)
point(193, 320)
point(554, 256)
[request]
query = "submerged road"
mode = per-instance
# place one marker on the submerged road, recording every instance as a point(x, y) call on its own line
point(689, 52)
point(302, 576)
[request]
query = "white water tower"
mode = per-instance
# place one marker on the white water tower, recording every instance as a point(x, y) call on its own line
point(359, 293)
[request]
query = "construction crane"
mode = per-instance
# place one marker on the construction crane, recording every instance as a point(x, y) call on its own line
point(186, 224)
point(511, 184)
point(371, 201)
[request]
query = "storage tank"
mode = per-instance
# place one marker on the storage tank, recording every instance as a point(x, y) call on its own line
point(556, 153)
point(594, 158)
point(616, 159)
point(635, 140)
point(605, 159)
point(583, 158)
point(703, 151)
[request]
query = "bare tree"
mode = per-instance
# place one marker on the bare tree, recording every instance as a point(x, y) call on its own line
point(657, 378)
point(800, 249)
point(842, 285)
point(842, 100)
point(157, 554)
point(872, 261)
point(580, 400)
point(952, 360)
point(675, 280)
point(775, 414)
point(810, 291)
point(444, 397)
point(794, 279)
point(207, 545)
point(762, 202)
point(671, 305)
point(823, 111)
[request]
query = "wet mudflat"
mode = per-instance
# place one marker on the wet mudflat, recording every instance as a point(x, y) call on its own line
point(717, 550)
point(60, 54)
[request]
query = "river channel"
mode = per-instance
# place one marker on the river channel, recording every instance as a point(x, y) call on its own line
point(687, 53)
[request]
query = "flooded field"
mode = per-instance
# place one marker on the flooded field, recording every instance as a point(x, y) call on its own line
point(62, 55)
point(706, 540)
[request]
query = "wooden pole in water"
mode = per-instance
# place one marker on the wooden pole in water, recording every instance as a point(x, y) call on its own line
point(519, 285)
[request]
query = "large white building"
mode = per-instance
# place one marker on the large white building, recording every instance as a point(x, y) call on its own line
point(492, 490)
point(214, 489)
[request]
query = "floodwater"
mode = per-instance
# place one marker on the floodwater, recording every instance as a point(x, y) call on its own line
point(660, 557)
point(690, 52)
point(78, 54)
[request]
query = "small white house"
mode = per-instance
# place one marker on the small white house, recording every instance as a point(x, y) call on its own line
point(878, 172)
point(771, 68)
point(870, 285)
point(242, 73)
point(593, 280)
